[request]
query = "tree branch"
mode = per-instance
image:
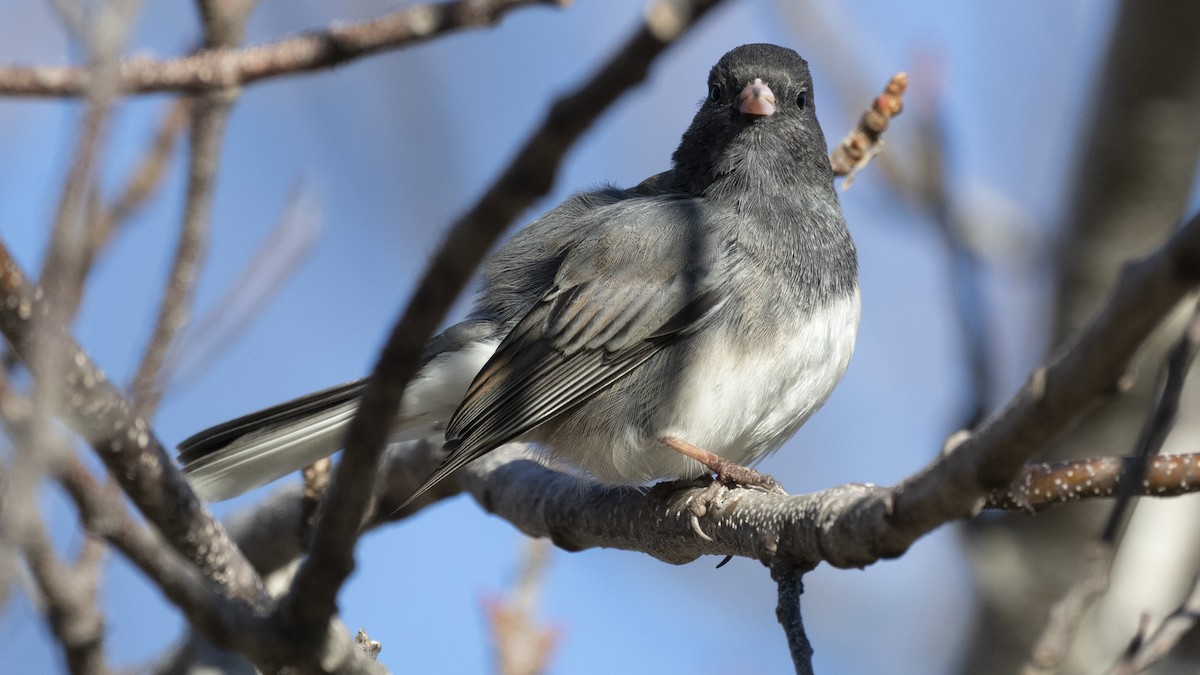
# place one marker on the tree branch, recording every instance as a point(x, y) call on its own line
point(1038, 486)
point(790, 581)
point(102, 416)
point(223, 68)
point(224, 24)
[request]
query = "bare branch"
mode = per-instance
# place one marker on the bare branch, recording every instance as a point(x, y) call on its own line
point(530, 175)
point(866, 139)
point(209, 114)
point(140, 184)
point(1038, 486)
point(102, 416)
point(1164, 410)
point(223, 68)
point(790, 581)
point(69, 602)
point(520, 645)
point(1144, 653)
point(276, 258)
point(224, 26)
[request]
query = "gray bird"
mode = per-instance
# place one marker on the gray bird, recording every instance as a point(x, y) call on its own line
point(716, 303)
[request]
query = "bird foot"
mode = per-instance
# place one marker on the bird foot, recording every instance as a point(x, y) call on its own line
point(726, 475)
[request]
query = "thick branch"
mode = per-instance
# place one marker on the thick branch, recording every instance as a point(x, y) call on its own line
point(223, 68)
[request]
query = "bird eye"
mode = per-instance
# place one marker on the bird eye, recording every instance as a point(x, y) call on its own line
point(714, 93)
point(801, 99)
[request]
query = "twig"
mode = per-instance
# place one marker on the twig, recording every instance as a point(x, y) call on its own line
point(864, 141)
point(68, 592)
point(69, 601)
point(312, 599)
point(1041, 485)
point(209, 115)
point(790, 582)
point(521, 646)
point(1067, 613)
point(223, 68)
point(1164, 410)
point(276, 258)
point(1150, 650)
point(224, 24)
point(139, 185)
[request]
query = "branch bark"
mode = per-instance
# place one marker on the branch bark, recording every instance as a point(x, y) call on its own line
point(223, 68)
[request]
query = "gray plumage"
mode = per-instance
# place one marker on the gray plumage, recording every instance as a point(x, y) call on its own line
point(716, 302)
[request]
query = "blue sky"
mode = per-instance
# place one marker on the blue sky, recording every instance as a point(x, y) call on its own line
point(389, 150)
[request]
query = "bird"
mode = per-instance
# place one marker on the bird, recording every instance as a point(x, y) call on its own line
point(715, 305)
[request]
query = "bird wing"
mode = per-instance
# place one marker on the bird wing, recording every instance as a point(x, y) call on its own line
point(643, 278)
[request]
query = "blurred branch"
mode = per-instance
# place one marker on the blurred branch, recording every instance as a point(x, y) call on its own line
point(1093, 581)
point(224, 24)
point(138, 186)
point(67, 599)
point(68, 593)
point(104, 36)
point(521, 646)
point(1144, 652)
point(226, 67)
point(260, 279)
point(865, 140)
point(308, 607)
point(1067, 613)
point(103, 417)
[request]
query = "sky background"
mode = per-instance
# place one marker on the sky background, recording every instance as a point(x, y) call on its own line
point(389, 150)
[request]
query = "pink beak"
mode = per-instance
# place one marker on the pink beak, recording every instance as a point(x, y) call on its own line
point(757, 99)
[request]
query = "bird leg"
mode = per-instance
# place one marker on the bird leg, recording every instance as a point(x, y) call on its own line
point(727, 474)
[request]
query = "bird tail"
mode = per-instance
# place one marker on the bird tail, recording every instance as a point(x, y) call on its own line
point(228, 459)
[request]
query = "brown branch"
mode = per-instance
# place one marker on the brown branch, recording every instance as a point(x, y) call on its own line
point(865, 140)
point(223, 68)
point(224, 24)
point(102, 416)
point(311, 601)
point(1038, 486)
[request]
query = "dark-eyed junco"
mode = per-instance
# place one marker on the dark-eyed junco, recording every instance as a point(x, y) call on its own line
point(715, 303)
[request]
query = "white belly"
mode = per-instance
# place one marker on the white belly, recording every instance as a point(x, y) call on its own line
point(739, 409)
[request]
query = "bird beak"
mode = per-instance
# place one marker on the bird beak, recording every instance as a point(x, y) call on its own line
point(757, 99)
